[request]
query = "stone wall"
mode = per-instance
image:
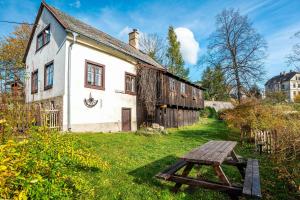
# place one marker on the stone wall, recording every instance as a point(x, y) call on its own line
point(55, 103)
point(219, 105)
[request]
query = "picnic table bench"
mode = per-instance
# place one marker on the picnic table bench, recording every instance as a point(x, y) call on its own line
point(216, 154)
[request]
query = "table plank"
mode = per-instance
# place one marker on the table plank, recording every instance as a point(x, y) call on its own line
point(212, 152)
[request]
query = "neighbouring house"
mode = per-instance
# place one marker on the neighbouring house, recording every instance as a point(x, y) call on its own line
point(92, 79)
point(289, 83)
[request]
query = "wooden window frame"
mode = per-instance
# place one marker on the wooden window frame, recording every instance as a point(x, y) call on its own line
point(35, 72)
point(42, 32)
point(47, 87)
point(172, 85)
point(127, 91)
point(194, 93)
point(183, 93)
point(102, 87)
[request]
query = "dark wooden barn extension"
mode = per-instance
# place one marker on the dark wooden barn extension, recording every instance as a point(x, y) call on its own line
point(178, 102)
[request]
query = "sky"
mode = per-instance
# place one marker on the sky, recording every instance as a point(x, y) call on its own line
point(276, 20)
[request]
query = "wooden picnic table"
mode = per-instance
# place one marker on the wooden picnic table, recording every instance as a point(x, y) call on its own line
point(215, 154)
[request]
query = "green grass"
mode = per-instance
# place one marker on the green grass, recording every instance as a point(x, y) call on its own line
point(133, 160)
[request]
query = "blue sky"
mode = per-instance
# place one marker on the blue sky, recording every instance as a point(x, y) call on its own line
point(276, 20)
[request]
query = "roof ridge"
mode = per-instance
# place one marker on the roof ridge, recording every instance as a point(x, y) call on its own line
point(98, 35)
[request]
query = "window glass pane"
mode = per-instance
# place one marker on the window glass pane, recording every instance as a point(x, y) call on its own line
point(97, 76)
point(47, 35)
point(40, 41)
point(127, 83)
point(182, 88)
point(132, 84)
point(89, 79)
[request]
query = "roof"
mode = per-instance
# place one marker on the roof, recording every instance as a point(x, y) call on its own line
point(69, 23)
point(281, 78)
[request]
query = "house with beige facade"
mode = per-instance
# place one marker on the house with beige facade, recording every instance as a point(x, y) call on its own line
point(91, 78)
point(289, 83)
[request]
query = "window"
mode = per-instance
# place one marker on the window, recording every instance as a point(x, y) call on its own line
point(43, 38)
point(282, 87)
point(48, 76)
point(194, 93)
point(130, 86)
point(294, 85)
point(94, 75)
point(172, 84)
point(182, 88)
point(298, 85)
point(34, 82)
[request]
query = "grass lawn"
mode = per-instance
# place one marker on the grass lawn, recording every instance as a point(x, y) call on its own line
point(133, 160)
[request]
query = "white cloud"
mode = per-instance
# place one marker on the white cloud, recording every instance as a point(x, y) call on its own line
point(76, 4)
point(189, 47)
point(124, 32)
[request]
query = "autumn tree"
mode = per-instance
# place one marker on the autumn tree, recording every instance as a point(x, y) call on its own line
point(254, 91)
point(213, 81)
point(175, 61)
point(239, 49)
point(294, 57)
point(154, 46)
point(12, 49)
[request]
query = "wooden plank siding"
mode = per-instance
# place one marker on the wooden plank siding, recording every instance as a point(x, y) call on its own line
point(175, 97)
point(173, 108)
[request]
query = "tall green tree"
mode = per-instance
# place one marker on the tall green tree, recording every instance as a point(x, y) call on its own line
point(213, 80)
point(174, 57)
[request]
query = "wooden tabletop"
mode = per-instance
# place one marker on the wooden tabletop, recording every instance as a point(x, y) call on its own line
point(213, 152)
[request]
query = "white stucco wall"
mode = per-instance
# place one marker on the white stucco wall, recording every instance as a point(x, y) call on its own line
point(294, 84)
point(106, 115)
point(55, 50)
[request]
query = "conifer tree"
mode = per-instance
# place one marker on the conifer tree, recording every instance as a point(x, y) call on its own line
point(174, 57)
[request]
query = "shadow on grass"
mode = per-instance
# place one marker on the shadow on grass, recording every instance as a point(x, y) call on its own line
point(146, 173)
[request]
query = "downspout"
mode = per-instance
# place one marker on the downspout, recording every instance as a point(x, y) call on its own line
point(69, 80)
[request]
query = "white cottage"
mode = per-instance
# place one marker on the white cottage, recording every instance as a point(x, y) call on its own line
point(85, 73)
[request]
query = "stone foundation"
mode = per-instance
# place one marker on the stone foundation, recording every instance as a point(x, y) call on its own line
point(55, 103)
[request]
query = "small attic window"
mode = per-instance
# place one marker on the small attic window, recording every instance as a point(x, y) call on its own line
point(43, 38)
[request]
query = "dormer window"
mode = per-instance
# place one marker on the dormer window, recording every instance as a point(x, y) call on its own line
point(43, 38)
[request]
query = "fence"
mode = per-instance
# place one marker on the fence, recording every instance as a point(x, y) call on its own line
point(50, 118)
point(265, 141)
point(219, 105)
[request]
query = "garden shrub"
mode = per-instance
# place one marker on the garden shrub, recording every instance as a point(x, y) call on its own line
point(36, 168)
point(209, 112)
point(284, 119)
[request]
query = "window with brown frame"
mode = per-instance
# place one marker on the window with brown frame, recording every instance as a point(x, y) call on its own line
point(43, 38)
point(94, 75)
point(48, 75)
point(130, 84)
point(34, 82)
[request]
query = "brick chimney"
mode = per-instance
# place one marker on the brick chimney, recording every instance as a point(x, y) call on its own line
point(134, 38)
